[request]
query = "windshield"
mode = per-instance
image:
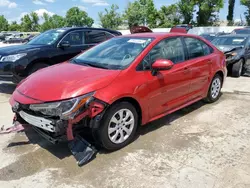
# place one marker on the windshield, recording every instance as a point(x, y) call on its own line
point(46, 38)
point(116, 53)
point(230, 41)
point(242, 31)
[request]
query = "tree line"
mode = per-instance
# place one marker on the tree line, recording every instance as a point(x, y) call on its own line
point(139, 12)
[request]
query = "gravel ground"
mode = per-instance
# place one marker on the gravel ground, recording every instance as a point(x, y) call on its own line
point(201, 146)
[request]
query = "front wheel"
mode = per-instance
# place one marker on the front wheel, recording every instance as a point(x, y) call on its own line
point(214, 92)
point(119, 126)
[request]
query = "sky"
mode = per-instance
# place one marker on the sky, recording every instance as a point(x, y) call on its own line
point(15, 9)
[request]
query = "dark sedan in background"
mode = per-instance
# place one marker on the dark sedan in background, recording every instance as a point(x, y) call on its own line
point(49, 48)
point(237, 51)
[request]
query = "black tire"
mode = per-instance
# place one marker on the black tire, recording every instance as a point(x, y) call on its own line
point(237, 68)
point(37, 67)
point(210, 97)
point(102, 132)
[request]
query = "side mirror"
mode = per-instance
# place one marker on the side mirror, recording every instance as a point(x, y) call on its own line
point(161, 65)
point(64, 44)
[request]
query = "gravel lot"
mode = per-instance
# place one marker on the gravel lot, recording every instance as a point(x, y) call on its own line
point(202, 146)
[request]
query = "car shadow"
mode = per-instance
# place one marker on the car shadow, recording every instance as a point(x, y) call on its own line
point(59, 150)
point(164, 121)
point(62, 151)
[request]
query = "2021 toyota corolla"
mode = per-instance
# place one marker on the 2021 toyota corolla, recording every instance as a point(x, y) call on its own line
point(120, 84)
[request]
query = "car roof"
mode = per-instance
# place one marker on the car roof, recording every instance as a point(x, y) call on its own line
point(87, 28)
point(242, 28)
point(159, 35)
point(235, 35)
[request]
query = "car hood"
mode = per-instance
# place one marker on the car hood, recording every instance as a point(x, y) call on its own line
point(64, 81)
point(9, 50)
point(226, 48)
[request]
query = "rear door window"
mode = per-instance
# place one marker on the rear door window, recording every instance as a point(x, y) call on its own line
point(197, 48)
point(75, 38)
point(95, 36)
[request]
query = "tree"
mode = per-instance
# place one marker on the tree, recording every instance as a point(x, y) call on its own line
point(186, 9)
point(111, 19)
point(169, 16)
point(3, 23)
point(57, 21)
point(142, 12)
point(52, 22)
point(14, 26)
point(149, 12)
point(46, 24)
point(246, 3)
point(77, 17)
point(207, 13)
point(134, 14)
point(230, 15)
point(30, 22)
point(26, 23)
point(34, 20)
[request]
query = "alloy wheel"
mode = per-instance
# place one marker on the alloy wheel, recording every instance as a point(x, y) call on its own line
point(216, 87)
point(121, 126)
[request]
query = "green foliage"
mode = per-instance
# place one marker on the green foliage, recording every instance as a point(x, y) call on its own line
point(52, 22)
point(134, 14)
point(110, 19)
point(169, 16)
point(14, 26)
point(26, 23)
point(3, 23)
point(77, 17)
point(246, 3)
point(208, 11)
point(30, 22)
point(186, 9)
point(34, 20)
point(142, 12)
point(150, 13)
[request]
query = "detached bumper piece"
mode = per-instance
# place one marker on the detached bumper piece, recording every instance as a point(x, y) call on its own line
point(82, 150)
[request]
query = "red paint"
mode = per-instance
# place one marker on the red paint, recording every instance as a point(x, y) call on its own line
point(157, 95)
point(178, 30)
point(162, 64)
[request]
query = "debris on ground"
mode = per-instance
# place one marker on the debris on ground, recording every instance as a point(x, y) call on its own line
point(16, 128)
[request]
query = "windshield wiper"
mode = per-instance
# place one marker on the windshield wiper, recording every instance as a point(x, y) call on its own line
point(95, 65)
point(88, 64)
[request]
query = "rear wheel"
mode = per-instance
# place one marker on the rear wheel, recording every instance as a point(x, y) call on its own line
point(119, 126)
point(37, 67)
point(237, 68)
point(214, 92)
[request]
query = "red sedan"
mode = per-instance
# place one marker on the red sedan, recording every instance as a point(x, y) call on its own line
point(120, 84)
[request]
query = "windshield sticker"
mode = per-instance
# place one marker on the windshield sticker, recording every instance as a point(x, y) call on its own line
point(238, 40)
point(137, 41)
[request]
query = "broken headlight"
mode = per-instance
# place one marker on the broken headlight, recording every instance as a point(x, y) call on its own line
point(64, 109)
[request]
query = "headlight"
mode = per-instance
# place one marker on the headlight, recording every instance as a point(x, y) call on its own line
point(13, 58)
point(64, 109)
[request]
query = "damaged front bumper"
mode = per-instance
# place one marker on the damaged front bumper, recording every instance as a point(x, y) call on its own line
point(57, 130)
